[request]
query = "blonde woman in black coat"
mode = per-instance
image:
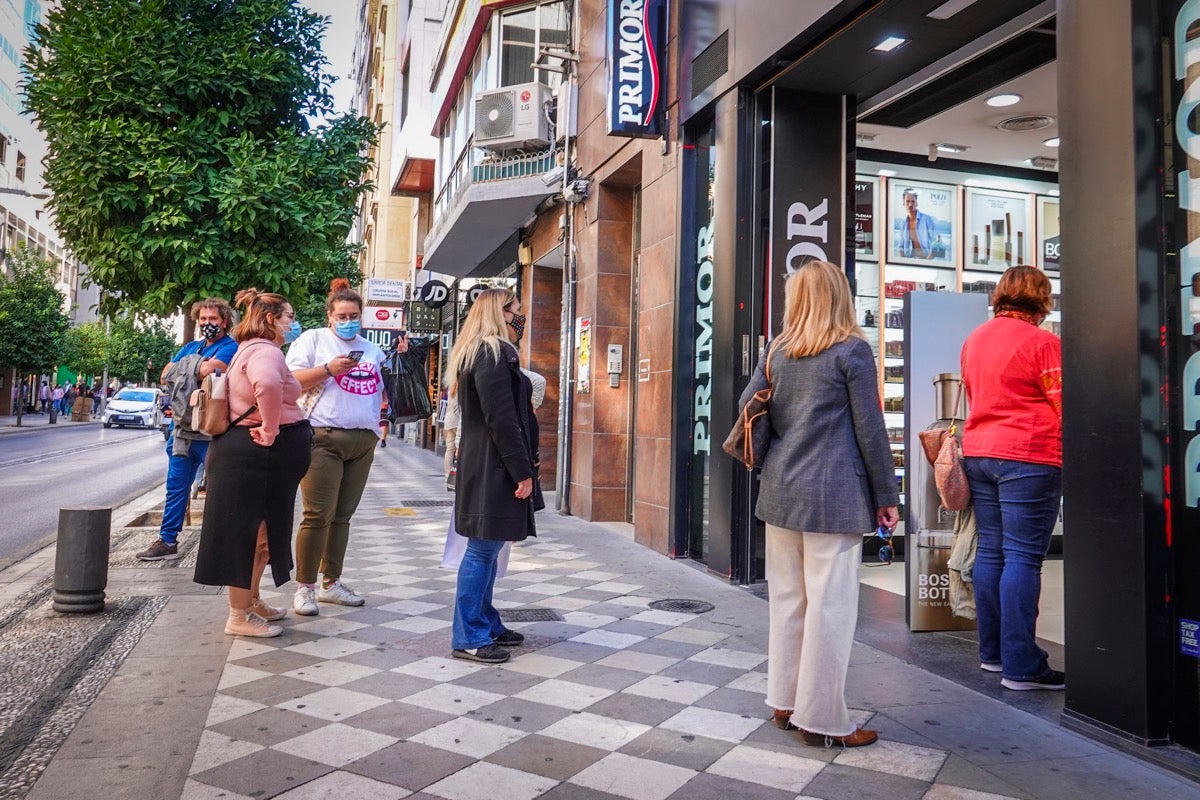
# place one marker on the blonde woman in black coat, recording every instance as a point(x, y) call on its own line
point(497, 491)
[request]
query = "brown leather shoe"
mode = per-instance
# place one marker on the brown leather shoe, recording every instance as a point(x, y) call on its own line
point(783, 720)
point(860, 738)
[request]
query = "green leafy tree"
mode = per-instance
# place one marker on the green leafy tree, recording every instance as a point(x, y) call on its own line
point(33, 325)
point(181, 159)
point(313, 284)
point(137, 351)
point(86, 348)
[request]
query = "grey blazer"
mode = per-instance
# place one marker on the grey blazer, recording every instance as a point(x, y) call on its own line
point(829, 465)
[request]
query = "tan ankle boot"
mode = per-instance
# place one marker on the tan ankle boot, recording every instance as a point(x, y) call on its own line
point(244, 622)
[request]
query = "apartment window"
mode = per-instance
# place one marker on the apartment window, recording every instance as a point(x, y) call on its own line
point(404, 93)
point(523, 32)
point(3, 149)
point(20, 170)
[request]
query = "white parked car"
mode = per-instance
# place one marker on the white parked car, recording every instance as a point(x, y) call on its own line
point(134, 406)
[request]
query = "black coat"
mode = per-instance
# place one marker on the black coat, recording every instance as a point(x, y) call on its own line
point(498, 449)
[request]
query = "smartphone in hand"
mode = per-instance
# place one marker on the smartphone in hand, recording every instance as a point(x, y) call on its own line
point(355, 354)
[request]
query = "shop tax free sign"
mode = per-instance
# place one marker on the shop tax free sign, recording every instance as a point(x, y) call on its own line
point(1187, 75)
point(637, 38)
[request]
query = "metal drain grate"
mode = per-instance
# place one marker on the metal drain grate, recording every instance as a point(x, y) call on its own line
point(530, 615)
point(428, 503)
point(682, 606)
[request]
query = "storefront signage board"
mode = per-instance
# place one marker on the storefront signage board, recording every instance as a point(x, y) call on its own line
point(383, 317)
point(808, 187)
point(386, 290)
point(1186, 52)
point(636, 50)
point(423, 319)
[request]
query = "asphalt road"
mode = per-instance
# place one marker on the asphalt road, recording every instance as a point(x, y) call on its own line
point(75, 466)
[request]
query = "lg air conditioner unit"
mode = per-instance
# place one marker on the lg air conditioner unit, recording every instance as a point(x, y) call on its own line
point(513, 118)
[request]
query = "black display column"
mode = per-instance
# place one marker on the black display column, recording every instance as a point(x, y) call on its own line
point(1115, 278)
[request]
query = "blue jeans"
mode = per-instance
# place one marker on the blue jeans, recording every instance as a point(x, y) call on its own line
point(181, 471)
point(476, 621)
point(1016, 506)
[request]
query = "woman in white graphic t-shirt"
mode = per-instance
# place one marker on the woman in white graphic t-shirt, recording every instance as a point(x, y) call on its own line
point(341, 372)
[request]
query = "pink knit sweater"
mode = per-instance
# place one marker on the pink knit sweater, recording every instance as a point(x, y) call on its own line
point(260, 376)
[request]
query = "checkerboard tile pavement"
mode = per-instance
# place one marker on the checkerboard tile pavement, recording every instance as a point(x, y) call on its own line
point(616, 700)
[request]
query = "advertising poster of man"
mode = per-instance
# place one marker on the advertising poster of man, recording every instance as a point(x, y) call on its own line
point(866, 206)
point(1047, 216)
point(998, 230)
point(924, 222)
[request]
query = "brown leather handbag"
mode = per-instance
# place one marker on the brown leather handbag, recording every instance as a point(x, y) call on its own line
point(751, 434)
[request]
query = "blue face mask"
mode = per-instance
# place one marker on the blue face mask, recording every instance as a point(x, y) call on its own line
point(347, 330)
point(292, 333)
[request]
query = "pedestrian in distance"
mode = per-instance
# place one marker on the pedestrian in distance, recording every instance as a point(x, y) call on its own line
point(186, 450)
point(1012, 448)
point(826, 480)
point(44, 396)
point(56, 399)
point(340, 372)
point(497, 492)
point(256, 468)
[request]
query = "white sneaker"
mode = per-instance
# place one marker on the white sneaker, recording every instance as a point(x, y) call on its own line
point(305, 603)
point(341, 594)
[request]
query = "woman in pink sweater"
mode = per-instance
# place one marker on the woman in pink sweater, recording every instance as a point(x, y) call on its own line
point(255, 468)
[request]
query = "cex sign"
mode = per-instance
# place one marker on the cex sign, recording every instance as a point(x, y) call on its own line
point(383, 317)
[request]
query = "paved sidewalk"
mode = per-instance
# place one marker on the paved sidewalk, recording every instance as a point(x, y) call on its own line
point(609, 698)
point(31, 422)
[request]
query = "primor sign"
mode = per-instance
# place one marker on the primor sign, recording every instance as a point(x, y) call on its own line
point(637, 38)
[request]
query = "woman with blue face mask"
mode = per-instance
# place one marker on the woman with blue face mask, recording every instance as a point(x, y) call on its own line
point(341, 374)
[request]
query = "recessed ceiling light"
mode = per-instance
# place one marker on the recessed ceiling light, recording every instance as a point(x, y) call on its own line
point(1051, 142)
point(888, 173)
point(889, 44)
point(949, 8)
point(1002, 100)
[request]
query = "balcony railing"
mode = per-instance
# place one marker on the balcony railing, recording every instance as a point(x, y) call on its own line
point(478, 166)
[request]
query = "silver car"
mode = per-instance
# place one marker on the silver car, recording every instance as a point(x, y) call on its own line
point(134, 406)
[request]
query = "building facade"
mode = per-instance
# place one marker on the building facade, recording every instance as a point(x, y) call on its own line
point(24, 220)
point(654, 265)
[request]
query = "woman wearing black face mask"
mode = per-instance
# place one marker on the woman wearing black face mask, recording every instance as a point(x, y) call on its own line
point(497, 490)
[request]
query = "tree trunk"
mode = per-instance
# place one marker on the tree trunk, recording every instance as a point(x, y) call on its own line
point(189, 326)
point(20, 387)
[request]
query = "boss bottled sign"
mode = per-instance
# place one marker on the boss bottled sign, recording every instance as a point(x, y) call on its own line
point(637, 38)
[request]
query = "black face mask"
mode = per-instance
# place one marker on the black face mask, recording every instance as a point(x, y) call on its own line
point(211, 331)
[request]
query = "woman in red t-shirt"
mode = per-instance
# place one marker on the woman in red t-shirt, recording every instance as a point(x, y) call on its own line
point(1012, 374)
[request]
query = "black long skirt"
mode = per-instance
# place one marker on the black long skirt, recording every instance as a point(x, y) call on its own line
point(249, 484)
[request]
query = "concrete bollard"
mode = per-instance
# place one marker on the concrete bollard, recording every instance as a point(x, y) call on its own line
point(81, 560)
point(53, 414)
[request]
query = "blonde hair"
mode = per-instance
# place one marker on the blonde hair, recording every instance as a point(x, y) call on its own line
point(483, 327)
point(819, 311)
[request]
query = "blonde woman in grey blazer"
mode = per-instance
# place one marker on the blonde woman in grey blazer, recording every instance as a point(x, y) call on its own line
point(826, 481)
